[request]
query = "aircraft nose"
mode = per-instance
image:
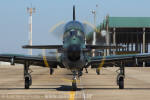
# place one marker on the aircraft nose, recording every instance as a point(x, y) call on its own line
point(74, 38)
point(73, 52)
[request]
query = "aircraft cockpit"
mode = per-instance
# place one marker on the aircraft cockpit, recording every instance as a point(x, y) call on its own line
point(74, 28)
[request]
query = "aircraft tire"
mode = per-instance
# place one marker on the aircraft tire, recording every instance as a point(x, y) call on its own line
point(98, 72)
point(121, 82)
point(74, 86)
point(28, 81)
point(51, 71)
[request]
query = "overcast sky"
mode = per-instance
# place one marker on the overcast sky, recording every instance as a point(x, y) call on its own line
point(14, 18)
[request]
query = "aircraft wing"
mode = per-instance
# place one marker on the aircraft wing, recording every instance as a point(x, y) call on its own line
point(43, 47)
point(33, 60)
point(115, 59)
point(61, 47)
point(103, 47)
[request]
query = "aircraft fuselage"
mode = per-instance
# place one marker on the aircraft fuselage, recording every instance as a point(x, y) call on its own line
point(74, 42)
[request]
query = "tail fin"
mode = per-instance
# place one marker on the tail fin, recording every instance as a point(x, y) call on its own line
point(74, 13)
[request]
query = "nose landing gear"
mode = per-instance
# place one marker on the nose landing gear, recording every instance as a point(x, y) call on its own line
point(74, 82)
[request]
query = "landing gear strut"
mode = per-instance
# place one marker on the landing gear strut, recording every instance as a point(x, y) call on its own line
point(74, 82)
point(51, 70)
point(80, 73)
point(121, 76)
point(27, 76)
point(86, 71)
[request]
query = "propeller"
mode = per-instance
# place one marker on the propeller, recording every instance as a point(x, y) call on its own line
point(45, 59)
point(58, 30)
point(88, 27)
point(103, 33)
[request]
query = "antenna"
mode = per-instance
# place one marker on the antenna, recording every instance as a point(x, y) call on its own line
point(30, 11)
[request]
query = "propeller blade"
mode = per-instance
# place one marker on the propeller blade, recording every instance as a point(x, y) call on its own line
point(45, 59)
point(57, 30)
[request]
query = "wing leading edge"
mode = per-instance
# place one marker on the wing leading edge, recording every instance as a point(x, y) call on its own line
point(33, 60)
point(119, 58)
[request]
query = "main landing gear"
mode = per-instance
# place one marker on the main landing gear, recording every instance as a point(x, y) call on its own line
point(27, 76)
point(121, 76)
point(51, 71)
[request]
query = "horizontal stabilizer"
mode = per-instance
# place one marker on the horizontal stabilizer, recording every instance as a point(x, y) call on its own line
point(104, 47)
point(42, 47)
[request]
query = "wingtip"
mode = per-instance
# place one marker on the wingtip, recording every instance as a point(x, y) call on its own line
point(24, 46)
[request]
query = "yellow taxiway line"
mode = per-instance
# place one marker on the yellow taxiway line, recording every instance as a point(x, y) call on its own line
point(72, 95)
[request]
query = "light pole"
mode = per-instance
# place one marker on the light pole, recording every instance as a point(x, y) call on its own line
point(94, 33)
point(30, 11)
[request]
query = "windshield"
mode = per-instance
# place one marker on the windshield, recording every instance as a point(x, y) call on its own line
point(73, 32)
point(74, 25)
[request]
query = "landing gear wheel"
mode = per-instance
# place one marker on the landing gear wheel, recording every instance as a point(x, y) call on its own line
point(98, 71)
point(117, 81)
point(74, 86)
point(74, 81)
point(121, 82)
point(28, 81)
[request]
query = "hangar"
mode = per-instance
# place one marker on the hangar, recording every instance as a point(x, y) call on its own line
point(132, 32)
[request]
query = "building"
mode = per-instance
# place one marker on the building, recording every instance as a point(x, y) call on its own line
point(132, 32)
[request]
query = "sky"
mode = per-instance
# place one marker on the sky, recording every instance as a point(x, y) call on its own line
point(14, 18)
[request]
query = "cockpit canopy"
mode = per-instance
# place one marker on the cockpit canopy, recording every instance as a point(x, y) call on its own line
point(74, 28)
point(74, 25)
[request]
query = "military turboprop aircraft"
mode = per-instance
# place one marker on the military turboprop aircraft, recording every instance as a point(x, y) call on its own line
point(74, 56)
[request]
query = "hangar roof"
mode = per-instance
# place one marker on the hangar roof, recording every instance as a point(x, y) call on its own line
point(128, 22)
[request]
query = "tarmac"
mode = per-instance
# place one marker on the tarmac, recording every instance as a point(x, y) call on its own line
point(58, 85)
